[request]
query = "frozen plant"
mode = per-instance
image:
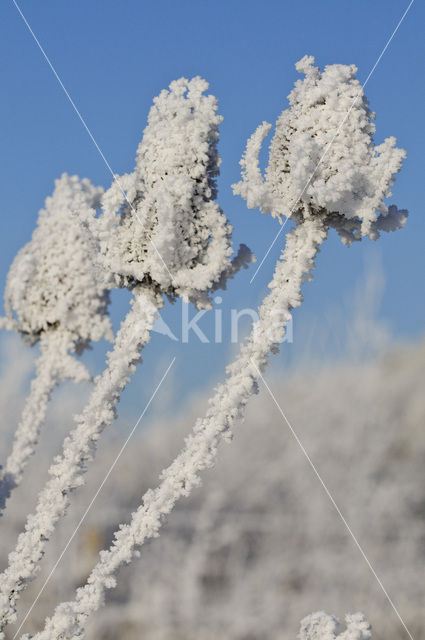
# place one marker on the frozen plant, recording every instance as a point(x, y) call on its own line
point(160, 232)
point(321, 626)
point(171, 236)
point(55, 295)
point(323, 164)
point(361, 175)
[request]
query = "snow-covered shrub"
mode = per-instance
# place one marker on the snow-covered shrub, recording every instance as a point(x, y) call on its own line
point(56, 294)
point(353, 213)
point(259, 544)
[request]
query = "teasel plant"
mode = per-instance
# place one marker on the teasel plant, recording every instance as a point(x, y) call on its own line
point(324, 171)
point(161, 234)
point(56, 296)
point(322, 626)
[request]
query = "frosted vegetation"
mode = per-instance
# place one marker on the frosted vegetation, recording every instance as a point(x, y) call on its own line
point(258, 546)
point(56, 294)
point(321, 626)
point(172, 187)
point(160, 232)
point(322, 161)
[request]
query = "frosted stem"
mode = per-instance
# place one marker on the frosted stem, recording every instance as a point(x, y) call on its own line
point(67, 471)
point(28, 430)
point(53, 363)
point(200, 448)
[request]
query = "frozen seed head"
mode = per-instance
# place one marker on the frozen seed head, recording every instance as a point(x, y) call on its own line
point(55, 283)
point(322, 159)
point(171, 233)
point(321, 626)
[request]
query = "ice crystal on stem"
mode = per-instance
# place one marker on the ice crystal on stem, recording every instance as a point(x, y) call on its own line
point(55, 295)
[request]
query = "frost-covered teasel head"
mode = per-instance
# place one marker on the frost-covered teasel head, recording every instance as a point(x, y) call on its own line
point(322, 159)
point(54, 283)
point(322, 626)
point(170, 233)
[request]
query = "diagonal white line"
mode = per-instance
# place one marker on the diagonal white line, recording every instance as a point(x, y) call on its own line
point(83, 517)
point(333, 139)
point(83, 122)
point(271, 246)
point(328, 493)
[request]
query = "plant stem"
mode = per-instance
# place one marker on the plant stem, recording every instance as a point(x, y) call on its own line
point(226, 405)
point(53, 363)
point(28, 430)
point(67, 471)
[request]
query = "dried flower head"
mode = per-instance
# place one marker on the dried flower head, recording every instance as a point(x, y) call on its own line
point(321, 626)
point(170, 232)
point(54, 283)
point(323, 160)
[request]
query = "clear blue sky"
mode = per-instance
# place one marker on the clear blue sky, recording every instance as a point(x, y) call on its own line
point(113, 57)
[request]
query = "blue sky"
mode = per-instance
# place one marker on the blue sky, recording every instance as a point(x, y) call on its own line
point(115, 57)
